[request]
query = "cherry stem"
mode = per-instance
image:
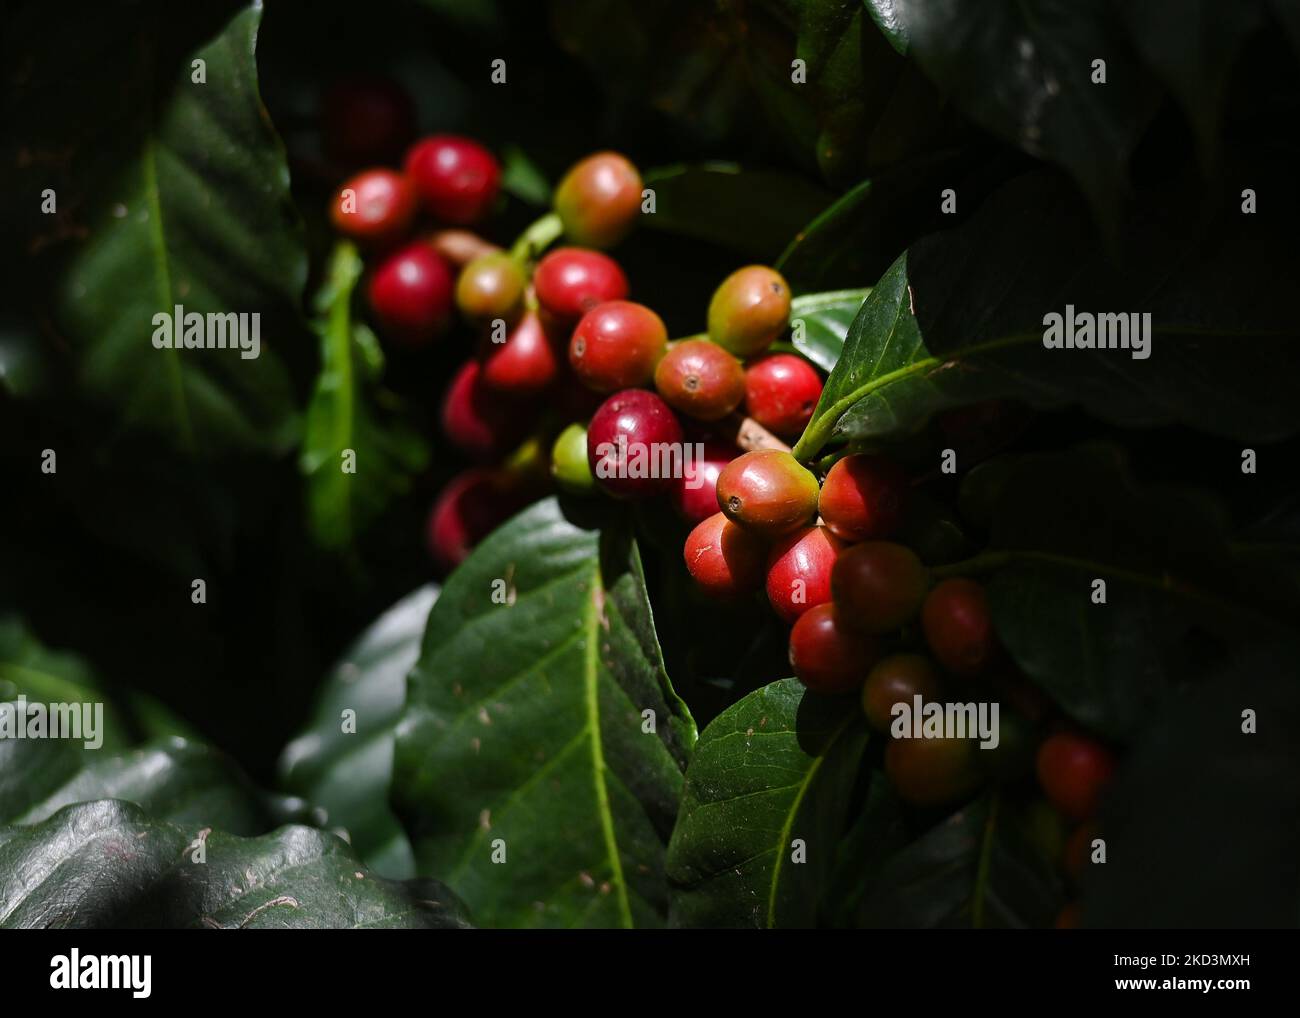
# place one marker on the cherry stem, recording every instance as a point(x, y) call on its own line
point(538, 237)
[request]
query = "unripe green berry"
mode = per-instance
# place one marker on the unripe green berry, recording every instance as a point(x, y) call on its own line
point(599, 200)
point(489, 287)
point(749, 310)
point(569, 464)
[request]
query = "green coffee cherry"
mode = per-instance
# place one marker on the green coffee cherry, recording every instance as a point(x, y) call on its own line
point(749, 310)
point(569, 464)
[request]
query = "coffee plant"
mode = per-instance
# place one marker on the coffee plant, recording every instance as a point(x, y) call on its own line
point(580, 464)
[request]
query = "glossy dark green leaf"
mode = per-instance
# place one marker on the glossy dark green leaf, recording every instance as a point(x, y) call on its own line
point(346, 774)
point(171, 192)
point(960, 318)
point(1061, 523)
point(171, 779)
point(765, 804)
point(975, 869)
point(1024, 72)
point(885, 14)
point(752, 212)
point(350, 413)
point(1200, 824)
point(108, 865)
point(1191, 47)
point(525, 736)
point(821, 321)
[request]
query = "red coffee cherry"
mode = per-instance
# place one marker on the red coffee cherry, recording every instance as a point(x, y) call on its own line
point(932, 772)
point(617, 345)
point(749, 310)
point(599, 200)
point(367, 120)
point(878, 585)
point(862, 498)
point(410, 294)
point(767, 491)
point(479, 421)
point(827, 656)
point(491, 287)
point(374, 208)
point(1073, 770)
point(700, 379)
point(634, 444)
point(570, 281)
point(526, 363)
point(473, 504)
point(958, 627)
point(456, 178)
point(897, 679)
point(781, 392)
point(1069, 918)
point(724, 560)
point(799, 571)
point(694, 494)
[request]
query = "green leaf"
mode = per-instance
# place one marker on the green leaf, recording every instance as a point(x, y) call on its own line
point(170, 193)
point(347, 774)
point(172, 779)
point(826, 319)
point(349, 412)
point(1061, 523)
point(885, 14)
point(107, 865)
point(1199, 823)
point(775, 768)
point(752, 212)
point(959, 318)
point(1191, 48)
point(1024, 72)
point(523, 729)
point(975, 869)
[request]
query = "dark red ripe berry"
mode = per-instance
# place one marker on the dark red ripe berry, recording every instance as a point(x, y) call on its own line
point(479, 421)
point(897, 679)
point(724, 560)
point(616, 345)
point(958, 628)
point(526, 363)
point(367, 120)
point(878, 585)
point(700, 379)
point(472, 505)
point(410, 294)
point(932, 772)
point(374, 208)
point(1070, 917)
point(1073, 770)
point(634, 444)
point(827, 656)
point(457, 179)
point(781, 392)
point(1078, 851)
point(862, 498)
point(799, 571)
point(694, 494)
point(570, 281)
point(767, 491)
